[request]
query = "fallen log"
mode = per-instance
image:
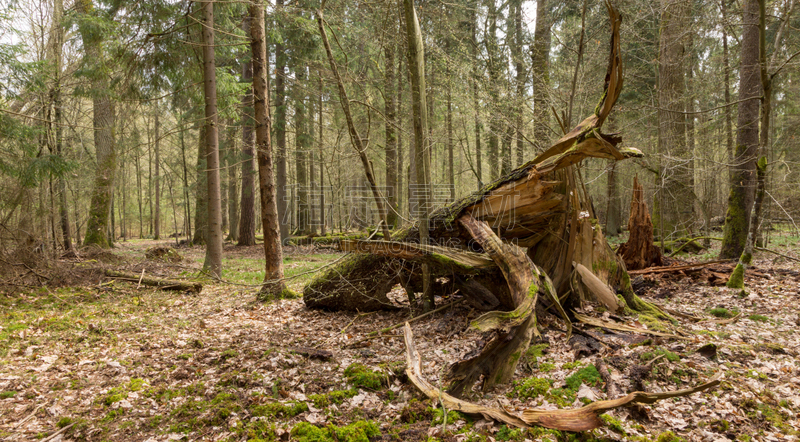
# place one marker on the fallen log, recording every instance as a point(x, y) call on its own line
point(579, 419)
point(162, 284)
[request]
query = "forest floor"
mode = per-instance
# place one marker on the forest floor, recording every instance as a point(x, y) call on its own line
point(104, 360)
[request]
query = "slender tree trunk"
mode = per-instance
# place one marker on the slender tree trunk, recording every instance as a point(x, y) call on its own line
point(493, 67)
point(213, 259)
point(61, 184)
point(247, 222)
point(674, 207)
point(201, 191)
point(300, 148)
point(474, 86)
point(451, 173)
point(273, 255)
point(280, 130)
point(157, 177)
point(727, 70)
point(568, 119)
point(540, 71)
point(740, 200)
point(137, 163)
point(521, 80)
point(233, 188)
point(104, 143)
point(416, 65)
point(390, 138)
point(322, 219)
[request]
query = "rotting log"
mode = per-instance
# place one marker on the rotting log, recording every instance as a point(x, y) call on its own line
point(162, 284)
point(542, 206)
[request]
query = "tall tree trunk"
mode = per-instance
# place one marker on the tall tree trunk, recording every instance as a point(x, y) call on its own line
point(390, 138)
point(540, 71)
point(213, 259)
point(280, 129)
point(727, 70)
point(475, 97)
point(740, 199)
point(451, 173)
point(674, 206)
point(322, 219)
point(247, 222)
point(61, 184)
point(157, 177)
point(416, 66)
point(273, 255)
point(104, 142)
point(201, 191)
point(233, 188)
point(300, 148)
point(493, 54)
point(521, 80)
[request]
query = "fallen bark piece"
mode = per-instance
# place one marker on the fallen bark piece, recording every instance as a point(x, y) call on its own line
point(601, 291)
point(163, 284)
point(621, 327)
point(579, 419)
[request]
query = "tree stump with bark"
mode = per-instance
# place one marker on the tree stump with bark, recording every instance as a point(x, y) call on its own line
point(640, 252)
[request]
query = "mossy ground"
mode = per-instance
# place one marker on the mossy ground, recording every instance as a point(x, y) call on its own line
point(130, 364)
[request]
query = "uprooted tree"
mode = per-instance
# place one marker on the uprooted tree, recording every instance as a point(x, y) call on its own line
point(530, 235)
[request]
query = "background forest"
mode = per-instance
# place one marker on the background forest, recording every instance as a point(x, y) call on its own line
point(503, 81)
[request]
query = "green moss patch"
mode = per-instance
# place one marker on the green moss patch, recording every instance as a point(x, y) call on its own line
point(587, 375)
point(531, 388)
point(360, 376)
point(650, 355)
point(360, 431)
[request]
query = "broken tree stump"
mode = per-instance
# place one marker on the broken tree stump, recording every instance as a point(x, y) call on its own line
point(640, 252)
point(542, 206)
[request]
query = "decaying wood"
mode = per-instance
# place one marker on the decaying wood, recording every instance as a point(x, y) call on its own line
point(163, 284)
point(579, 419)
point(496, 362)
point(640, 252)
point(621, 327)
point(668, 269)
point(600, 291)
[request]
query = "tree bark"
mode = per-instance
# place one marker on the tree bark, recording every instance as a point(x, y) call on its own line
point(247, 222)
point(613, 209)
point(61, 184)
point(639, 252)
point(390, 143)
point(201, 191)
point(157, 177)
point(673, 208)
point(233, 188)
point(493, 62)
point(273, 254)
point(540, 71)
point(280, 129)
point(213, 260)
point(740, 199)
point(301, 146)
point(416, 66)
point(105, 145)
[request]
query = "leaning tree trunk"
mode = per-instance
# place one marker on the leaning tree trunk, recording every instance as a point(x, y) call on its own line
point(541, 205)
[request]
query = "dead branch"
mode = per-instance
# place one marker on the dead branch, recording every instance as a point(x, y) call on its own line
point(580, 419)
point(162, 284)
